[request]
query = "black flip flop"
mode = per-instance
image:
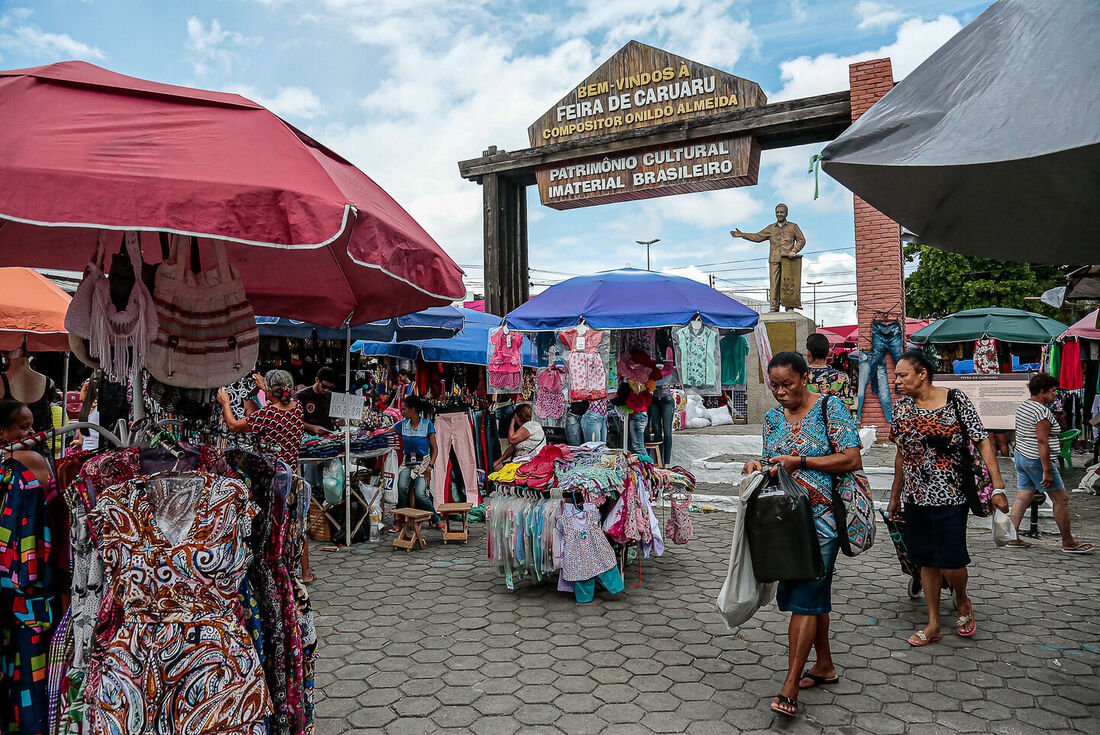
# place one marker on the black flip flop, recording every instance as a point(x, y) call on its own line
point(817, 680)
point(784, 700)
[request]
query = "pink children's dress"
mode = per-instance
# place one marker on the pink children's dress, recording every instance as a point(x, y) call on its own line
point(506, 364)
point(550, 403)
point(587, 377)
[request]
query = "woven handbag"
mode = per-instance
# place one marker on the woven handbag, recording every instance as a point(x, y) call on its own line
point(207, 336)
point(853, 506)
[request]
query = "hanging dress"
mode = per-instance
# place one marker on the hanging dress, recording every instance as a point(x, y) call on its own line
point(506, 363)
point(587, 376)
point(181, 662)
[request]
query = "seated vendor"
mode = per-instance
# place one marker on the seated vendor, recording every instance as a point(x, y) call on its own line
point(525, 436)
point(419, 447)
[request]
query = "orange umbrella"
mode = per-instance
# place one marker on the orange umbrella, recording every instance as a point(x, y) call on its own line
point(32, 307)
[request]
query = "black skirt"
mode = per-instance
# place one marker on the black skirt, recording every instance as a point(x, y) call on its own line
point(935, 535)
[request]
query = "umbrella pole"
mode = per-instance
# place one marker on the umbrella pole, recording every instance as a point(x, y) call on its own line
point(347, 440)
point(65, 400)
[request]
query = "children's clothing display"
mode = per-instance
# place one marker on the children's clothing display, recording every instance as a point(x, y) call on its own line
point(698, 358)
point(596, 496)
point(550, 403)
point(587, 377)
point(505, 361)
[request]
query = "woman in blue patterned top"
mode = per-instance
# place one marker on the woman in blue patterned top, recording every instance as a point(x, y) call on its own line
point(797, 436)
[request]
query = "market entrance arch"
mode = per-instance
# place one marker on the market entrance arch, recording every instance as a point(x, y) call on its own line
point(649, 123)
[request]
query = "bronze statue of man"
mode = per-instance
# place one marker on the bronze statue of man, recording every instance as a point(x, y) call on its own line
point(784, 262)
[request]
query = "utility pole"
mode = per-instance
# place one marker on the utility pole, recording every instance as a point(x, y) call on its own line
point(647, 243)
point(814, 284)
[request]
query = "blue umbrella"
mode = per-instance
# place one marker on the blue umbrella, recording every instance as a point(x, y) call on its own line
point(630, 299)
point(438, 321)
point(470, 346)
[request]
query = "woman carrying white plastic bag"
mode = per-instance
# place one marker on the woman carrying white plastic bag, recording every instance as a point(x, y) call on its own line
point(742, 595)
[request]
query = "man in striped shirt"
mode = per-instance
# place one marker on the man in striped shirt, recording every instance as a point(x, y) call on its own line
point(1037, 431)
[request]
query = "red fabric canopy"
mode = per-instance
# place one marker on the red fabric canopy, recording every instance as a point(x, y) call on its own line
point(84, 149)
point(34, 308)
point(850, 333)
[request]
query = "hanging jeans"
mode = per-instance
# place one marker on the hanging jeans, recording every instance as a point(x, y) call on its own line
point(593, 427)
point(887, 337)
point(638, 422)
point(661, 413)
point(453, 431)
point(420, 491)
point(574, 434)
point(874, 377)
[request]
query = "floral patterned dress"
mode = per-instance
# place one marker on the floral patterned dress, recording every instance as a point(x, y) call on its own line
point(181, 662)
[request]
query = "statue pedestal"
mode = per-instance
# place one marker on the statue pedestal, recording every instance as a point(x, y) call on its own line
point(787, 331)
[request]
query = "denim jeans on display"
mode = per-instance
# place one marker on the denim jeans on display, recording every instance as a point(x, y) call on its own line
point(593, 427)
point(661, 413)
point(574, 434)
point(420, 492)
point(638, 422)
point(887, 337)
point(875, 375)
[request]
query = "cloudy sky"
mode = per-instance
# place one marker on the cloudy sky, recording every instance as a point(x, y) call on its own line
point(406, 88)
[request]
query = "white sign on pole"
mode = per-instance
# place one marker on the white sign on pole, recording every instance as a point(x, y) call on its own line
point(995, 397)
point(346, 406)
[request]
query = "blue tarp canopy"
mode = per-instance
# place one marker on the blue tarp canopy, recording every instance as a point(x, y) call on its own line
point(630, 299)
point(438, 321)
point(470, 346)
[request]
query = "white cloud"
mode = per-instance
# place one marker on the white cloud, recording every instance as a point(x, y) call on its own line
point(208, 50)
point(18, 36)
point(916, 39)
point(709, 209)
point(799, 14)
point(786, 170)
point(289, 102)
point(876, 16)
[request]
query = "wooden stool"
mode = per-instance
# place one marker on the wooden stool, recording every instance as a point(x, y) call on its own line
point(653, 449)
point(456, 512)
point(409, 520)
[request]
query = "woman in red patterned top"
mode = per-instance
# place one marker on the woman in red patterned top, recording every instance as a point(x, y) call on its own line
point(280, 422)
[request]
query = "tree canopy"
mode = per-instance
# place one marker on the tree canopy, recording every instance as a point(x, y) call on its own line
point(945, 283)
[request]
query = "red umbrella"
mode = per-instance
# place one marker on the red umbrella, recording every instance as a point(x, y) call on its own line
point(85, 149)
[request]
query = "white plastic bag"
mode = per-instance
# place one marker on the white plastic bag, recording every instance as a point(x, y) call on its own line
point(1003, 530)
point(390, 468)
point(718, 416)
point(742, 595)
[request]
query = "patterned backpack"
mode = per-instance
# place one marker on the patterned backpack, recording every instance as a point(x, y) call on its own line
point(853, 506)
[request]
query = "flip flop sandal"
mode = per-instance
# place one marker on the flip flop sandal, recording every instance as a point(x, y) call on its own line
point(817, 680)
point(1078, 549)
point(777, 706)
point(965, 620)
point(921, 639)
point(1020, 545)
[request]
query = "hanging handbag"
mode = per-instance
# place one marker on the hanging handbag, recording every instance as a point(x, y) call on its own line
point(853, 506)
point(207, 336)
point(118, 339)
point(974, 478)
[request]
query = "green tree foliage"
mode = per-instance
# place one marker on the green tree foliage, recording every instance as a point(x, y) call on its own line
point(945, 283)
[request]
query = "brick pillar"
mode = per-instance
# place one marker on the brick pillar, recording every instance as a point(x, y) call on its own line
point(880, 273)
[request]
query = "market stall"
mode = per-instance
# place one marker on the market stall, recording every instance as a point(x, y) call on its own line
point(1075, 360)
point(618, 341)
point(220, 209)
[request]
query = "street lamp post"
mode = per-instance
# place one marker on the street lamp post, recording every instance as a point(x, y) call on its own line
point(647, 243)
point(815, 285)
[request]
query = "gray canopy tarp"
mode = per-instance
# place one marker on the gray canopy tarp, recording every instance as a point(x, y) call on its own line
point(991, 147)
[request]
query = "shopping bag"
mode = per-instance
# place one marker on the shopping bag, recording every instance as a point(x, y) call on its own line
point(779, 524)
point(333, 481)
point(390, 468)
point(742, 595)
point(1003, 530)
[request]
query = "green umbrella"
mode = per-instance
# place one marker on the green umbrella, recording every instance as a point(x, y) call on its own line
point(1007, 325)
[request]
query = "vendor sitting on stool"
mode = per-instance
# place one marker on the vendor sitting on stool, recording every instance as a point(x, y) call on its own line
point(418, 444)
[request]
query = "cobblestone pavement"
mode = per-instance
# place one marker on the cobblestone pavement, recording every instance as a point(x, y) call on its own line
point(431, 641)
